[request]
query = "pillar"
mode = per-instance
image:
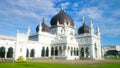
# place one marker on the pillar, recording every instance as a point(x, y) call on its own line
point(5, 53)
point(29, 53)
point(49, 55)
point(44, 53)
point(92, 50)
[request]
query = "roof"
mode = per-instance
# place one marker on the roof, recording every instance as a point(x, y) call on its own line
point(45, 28)
point(61, 17)
point(83, 29)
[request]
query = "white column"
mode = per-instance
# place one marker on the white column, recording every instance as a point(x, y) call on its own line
point(92, 50)
point(29, 53)
point(54, 53)
point(6, 53)
point(66, 54)
point(79, 52)
point(45, 52)
point(49, 55)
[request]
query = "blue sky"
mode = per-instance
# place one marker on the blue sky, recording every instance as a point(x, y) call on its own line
point(19, 14)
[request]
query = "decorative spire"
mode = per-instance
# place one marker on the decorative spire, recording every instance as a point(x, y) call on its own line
point(91, 27)
point(28, 29)
point(97, 29)
point(91, 24)
point(83, 20)
point(43, 20)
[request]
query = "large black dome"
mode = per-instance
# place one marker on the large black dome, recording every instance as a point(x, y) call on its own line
point(61, 17)
point(83, 29)
point(45, 28)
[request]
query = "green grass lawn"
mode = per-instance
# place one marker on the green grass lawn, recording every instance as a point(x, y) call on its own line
point(52, 65)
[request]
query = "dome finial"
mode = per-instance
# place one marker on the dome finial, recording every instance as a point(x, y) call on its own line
point(43, 20)
point(83, 20)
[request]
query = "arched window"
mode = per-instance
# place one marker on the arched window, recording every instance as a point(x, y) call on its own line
point(74, 51)
point(82, 52)
point(2, 52)
point(77, 51)
point(87, 52)
point(10, 52)
point(47, 51)
point(52, 51)
point(95, 49)
point(27, 53)
point(43, 51)
point(71, 51)
point(32, 54)
point(56, 51)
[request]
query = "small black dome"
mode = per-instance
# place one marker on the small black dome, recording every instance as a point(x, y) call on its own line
point(45, 28)
point(61, 17)
point(83, 29)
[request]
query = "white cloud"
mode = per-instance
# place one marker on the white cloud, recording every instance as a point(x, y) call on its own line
point(31, 8)
point(92, 12)
point(75, 4)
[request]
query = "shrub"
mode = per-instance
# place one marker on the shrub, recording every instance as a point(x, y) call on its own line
point(20, 59)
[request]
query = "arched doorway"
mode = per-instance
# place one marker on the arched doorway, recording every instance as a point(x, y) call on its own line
point(95, 50)
point(27, 53)
point(71, 51)
point(82, 52)
point(60, 51)
point(77, 51)
point(74, 51)
point(56, 51)
point(43, 52)
point(47, 51)
point(2, 52)
point(32, 54)
point(87, 52)
point(10, 52)
point(52, 51)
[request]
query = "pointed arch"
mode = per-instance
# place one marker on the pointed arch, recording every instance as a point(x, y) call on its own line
point(27, 53)
point(95, 50)
point(10, 52)
point(77, 51)
point(32, 54)
point(47, 51)
point(87, 52)
point(56, 51)
point(82, 52)
point(2, 52)
point(52, 51)
point(43, 52)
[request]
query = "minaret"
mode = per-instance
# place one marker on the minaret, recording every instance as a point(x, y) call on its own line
point(91, 28)
point(28, 32)
point(97, 31)
point(40, 26)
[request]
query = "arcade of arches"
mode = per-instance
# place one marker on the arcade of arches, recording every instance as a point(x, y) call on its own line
point(6, 53)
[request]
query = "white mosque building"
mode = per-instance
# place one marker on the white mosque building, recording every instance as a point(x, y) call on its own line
point(58, 41)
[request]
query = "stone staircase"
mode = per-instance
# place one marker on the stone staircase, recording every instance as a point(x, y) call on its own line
point(3, 60)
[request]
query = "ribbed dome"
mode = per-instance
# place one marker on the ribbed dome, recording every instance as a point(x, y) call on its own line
point(83, 29)
point(61, 17)
point(45, 28)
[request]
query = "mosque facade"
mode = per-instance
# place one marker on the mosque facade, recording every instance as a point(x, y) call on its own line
point(57, 41)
